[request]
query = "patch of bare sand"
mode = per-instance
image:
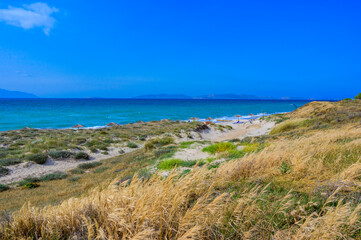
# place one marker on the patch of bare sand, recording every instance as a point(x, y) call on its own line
point(238, 131)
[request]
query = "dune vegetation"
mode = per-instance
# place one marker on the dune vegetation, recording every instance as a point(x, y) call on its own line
point(302, 181)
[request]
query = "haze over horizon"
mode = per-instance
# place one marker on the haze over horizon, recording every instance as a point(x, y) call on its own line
point(273, 49)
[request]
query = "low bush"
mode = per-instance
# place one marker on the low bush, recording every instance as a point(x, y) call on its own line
point(60, 154)
point(3, 187)
point(220, 147)
point(39, 158)
point(31, 185)
point(76, 171)
point(28, 180)
point(74, 179)
point(81, 155)
point(9, 161)
point(132, 145)
point(89, 165)
point(3, 171)
point(53, 176)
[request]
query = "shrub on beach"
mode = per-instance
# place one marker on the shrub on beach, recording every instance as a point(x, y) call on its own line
point(220, 147)
point(3, 187)
point(3, 171)
point(81, 155)
point(9, 161)
point(60, 154)
point(132, 145)
point(86, 166)
point(39, 158)
point(53, 176)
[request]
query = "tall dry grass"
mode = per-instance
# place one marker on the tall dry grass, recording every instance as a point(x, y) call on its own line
point(333, 155)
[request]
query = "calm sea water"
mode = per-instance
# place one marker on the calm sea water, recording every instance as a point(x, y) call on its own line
point(65, 113)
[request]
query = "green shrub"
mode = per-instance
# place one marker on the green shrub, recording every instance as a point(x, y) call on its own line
point(3, 187)
point(31, 185)
point(358, 96)
point(132, 145)
point(53, 176)
point(39, 158)
point(28, 180)
point(347, 99)
point(220, 147)
point(9, 161)
point(3, 171)
point(76, 171)
point(89, 165)
point(81, 155)
point(60, 154)
point(169, 164)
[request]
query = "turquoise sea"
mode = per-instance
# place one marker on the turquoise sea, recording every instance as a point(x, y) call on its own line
point(65, 113)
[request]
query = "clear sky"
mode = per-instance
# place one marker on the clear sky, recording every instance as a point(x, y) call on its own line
point(78, 48)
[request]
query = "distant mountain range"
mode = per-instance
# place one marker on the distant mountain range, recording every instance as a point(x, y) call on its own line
point(211, 96)
point(15, 94)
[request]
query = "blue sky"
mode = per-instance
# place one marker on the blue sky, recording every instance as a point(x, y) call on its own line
point(126, 48)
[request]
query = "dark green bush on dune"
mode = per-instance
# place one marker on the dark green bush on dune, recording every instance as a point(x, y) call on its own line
point(3, 171)
point(39, 158)
point(89, 165)
point(81, 155)
point(3, 187)
point(9, 161)
point(60, 154)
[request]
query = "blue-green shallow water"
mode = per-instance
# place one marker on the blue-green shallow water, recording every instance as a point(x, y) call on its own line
point(65, 113)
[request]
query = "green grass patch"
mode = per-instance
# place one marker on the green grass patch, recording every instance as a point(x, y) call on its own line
point(169, 164)
point(77, 171)
point(220, 147)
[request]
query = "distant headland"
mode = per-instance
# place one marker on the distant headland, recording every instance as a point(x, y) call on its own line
point(15, 94)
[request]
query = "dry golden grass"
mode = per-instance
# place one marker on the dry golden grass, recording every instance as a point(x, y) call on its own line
point(318, 156)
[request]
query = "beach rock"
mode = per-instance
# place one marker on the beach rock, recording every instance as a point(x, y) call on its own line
point(165, 120)
point(201, 128)
point(140, 122)
point(78, 126)
point(26, 128)
point(112, 124)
